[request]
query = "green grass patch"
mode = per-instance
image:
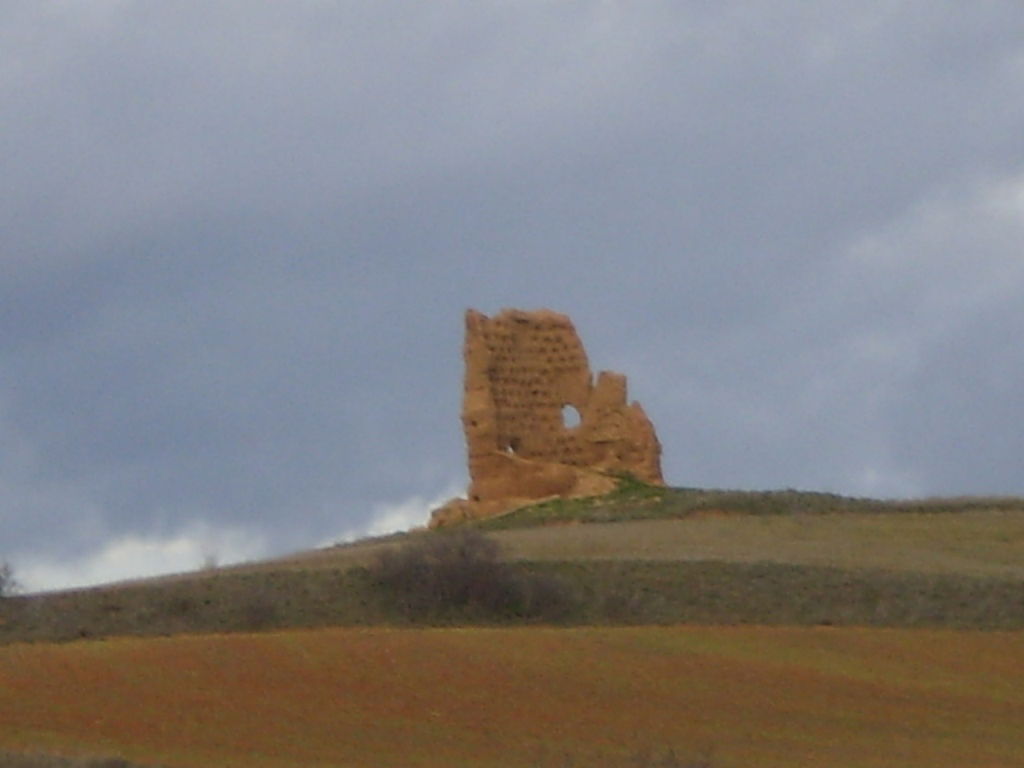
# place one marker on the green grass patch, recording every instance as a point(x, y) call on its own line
point(635, 500)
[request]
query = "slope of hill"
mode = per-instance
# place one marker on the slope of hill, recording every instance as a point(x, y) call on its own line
point(669, 556)
point(525, 697)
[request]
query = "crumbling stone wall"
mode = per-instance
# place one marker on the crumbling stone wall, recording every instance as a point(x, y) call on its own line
point(527, 383)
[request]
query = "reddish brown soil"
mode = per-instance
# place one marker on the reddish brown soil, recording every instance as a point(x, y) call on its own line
point(509, 697)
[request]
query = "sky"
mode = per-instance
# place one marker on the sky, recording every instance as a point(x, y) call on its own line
point(237, 240)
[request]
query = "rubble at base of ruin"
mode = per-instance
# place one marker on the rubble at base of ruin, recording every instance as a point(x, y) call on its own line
point(537, 424)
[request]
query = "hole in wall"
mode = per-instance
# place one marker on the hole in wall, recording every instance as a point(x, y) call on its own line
point(570, 416)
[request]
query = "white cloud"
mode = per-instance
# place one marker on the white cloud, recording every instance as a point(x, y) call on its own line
point(884, 482)
point(132, 557)
point(392, 517)
point(953, 253)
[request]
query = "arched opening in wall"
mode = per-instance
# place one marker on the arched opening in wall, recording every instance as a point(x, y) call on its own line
point(570, 416)
point(513, 446)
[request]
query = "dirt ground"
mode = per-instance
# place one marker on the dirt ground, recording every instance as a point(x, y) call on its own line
point(770, 697)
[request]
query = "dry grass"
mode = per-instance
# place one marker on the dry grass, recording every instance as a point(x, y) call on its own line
point(958, 570)
point(968, 536)
point(692, 556)
point(784, 697)
point(979, 543)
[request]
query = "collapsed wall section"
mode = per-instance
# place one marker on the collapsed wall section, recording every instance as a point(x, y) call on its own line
point(536, 423)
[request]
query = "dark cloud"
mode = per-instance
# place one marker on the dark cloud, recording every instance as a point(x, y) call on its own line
point(238, 240)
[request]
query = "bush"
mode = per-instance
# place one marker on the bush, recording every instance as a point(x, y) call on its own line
point(13, 760)
point(459, 575)
point(644, 758)
point(8, 583)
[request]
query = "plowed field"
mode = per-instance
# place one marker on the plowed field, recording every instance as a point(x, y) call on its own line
point(761, 697)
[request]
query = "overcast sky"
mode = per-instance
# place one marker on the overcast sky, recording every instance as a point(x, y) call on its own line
point(237, 240)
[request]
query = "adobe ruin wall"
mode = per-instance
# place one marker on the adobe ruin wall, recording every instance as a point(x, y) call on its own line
point(527, 381)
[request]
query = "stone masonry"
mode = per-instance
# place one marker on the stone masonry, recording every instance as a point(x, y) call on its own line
point(537, 425)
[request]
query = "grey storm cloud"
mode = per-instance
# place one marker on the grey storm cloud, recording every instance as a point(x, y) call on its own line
point(238, 239)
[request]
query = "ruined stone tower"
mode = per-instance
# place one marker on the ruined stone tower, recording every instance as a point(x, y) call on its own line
point(536, 423)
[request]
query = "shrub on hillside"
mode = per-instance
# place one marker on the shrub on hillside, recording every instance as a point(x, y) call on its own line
point(8, 583)
point(459, 575)
point(11, 760)
point(644, 758)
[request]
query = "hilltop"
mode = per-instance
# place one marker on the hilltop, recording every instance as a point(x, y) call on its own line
point(640, 555)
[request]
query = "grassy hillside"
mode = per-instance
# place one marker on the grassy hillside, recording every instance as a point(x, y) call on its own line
point(511, 698)
point(971, 543)
point(966, 536)
point(668, 556)
point(601, 592)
